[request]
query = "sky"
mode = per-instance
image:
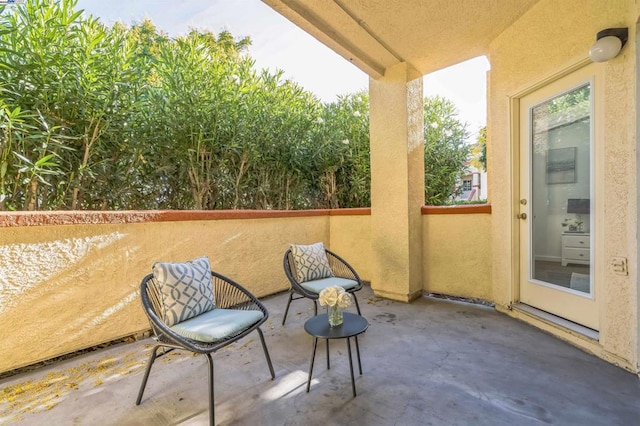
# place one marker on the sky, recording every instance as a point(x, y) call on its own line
point(279, 44)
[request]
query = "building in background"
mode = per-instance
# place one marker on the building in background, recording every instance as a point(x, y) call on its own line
point(474, 185)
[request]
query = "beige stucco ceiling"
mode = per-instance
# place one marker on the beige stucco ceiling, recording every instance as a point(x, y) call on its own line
point(428, 34)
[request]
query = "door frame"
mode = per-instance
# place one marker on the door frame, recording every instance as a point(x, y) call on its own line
point(598, 167)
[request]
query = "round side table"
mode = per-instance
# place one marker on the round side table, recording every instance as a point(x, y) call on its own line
point(352, 326)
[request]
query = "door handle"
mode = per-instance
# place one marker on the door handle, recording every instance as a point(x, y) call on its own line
point(522, 216)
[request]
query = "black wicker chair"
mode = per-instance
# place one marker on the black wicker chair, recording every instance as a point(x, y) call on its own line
point(228, 295)
point(340, 268)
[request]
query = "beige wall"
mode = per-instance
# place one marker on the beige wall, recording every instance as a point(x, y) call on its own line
point(550, 39)
point(397, 182)
point(350, 237)
point(71, 281)
point(67, 287)
point(457, 259)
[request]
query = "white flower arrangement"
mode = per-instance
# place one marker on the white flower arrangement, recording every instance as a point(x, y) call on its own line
point(574, 224)
point(335, 295)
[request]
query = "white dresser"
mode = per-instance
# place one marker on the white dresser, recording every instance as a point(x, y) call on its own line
point(575, 248)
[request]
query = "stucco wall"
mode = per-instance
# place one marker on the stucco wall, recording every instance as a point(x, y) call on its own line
point(457, 255)
point(350, 237)
point(456, 244)
point(551, 38)
point(70, 280)
point(67, 287)
point(397, 182)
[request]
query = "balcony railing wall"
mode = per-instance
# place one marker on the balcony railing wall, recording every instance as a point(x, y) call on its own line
point(456, 245)
point(70, 280)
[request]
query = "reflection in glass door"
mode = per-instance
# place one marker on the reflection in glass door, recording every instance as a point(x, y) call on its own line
point(560, 192)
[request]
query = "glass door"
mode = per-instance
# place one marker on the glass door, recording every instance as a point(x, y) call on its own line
point(557, 198)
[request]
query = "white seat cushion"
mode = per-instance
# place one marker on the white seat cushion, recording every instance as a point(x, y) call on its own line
point(316, 286)
point(217, 324)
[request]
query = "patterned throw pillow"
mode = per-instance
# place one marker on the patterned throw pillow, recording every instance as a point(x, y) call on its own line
point(186, 289)
point(311, 262)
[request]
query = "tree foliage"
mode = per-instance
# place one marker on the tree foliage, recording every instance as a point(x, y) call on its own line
point(479, 150)
point(342, 136)
point(445, 152)
point(126, 118)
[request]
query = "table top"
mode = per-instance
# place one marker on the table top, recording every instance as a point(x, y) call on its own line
point(352, 325)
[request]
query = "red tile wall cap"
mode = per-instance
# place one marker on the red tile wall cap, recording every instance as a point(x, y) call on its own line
point(360, 211)
point(461, 209)
point(42, 218)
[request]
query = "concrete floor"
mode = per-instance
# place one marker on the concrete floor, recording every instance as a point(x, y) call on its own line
point(432, 362)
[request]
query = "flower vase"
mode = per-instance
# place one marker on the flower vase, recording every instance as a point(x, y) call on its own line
point(335, 315)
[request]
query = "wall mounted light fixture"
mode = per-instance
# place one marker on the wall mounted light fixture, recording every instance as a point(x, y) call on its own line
point(608, 44)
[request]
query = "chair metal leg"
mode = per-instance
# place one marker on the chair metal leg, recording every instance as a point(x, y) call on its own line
point(315, 307)
point(212, 416)
point(152, 358)
point(357, 304)
point(286, 311)
point(266, 353)
point(358, 352)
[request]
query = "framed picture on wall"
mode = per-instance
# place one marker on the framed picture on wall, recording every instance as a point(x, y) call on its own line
point(561, 165)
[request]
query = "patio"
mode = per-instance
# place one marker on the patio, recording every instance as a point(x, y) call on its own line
point(432, 361)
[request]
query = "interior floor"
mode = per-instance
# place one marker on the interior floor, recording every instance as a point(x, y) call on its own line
point(555, 273)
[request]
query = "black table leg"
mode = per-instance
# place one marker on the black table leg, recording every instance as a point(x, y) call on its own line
point(328, 365)
point(353, 380)
point(358, 352)
point(313, 357)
